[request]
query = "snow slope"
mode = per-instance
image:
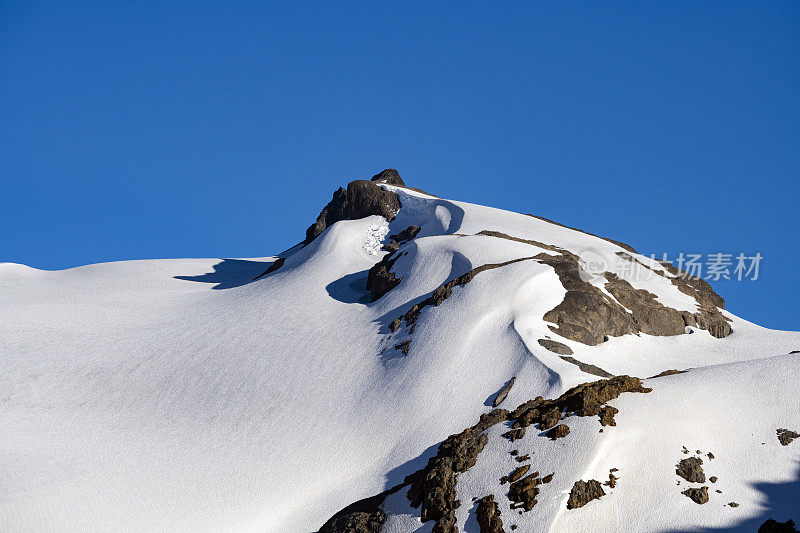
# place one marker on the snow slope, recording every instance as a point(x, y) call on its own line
point(182, 395)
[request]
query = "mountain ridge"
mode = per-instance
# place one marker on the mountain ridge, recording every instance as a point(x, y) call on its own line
point(137, 397)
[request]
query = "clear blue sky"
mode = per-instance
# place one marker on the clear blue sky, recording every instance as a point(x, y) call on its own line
point(195, 129)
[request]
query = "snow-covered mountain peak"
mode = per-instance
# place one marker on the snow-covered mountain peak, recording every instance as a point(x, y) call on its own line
point(415, 364)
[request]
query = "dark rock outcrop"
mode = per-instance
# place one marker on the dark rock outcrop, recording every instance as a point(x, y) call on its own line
point(272, 268)
point(488, 514)
point(503, 393)
point(561, 430)
point(522, 493)
point(650, 316)
point(361, 199)
point(587, 399)
point(668, 373)
point(380, 278)
point(555, 347)
point(691, 469)
point(389, 176)
point(709, 317)
point(586, 314)
point(773, 526)
point(586, 367)
point(515, 474)
point(357, 522)
point(407, 234)
point(612, 479)
point(404, 236)
point(583, 492)
point(785, 436)
point(607, 415)
point(589, 316)
point(433, 487)
point(699, 496)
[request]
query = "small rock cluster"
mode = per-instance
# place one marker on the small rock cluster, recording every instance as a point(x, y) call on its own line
point(785, 437)
point(583, 492)
point(691, 469)
point(433, 487)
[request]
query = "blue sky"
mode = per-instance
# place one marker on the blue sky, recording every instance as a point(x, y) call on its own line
point(136, 130)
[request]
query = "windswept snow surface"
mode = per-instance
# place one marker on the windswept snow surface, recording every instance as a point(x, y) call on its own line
point(181, 395)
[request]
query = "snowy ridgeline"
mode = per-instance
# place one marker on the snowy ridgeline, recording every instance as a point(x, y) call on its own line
point(183, 395)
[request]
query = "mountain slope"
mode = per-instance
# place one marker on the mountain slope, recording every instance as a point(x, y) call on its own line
point(186, 395)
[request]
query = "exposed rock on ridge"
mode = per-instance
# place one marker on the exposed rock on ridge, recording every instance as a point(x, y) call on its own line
point(433, 488)
point(362, 198)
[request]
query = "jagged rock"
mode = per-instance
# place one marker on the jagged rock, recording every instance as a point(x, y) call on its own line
point(583, 492)
point(503, 393)
point(785, 436)
point(607, 416)
point(272, 268)
point(357, 522)
point(446, 524)
point(523, 458)
point(589, 316)
point(514, 434)
point(433, 487)
point(403, 346)
point(668, 373)
point(733, 504)
point(586, 314)
point(773, 526)
point(362, 198)
point(588, 398)
point(589, 369)
point(389, 176)
point(407, 234)
point(518, 473)
point(555, 347)
point(524, 491)
point(392, 246)
point(488, 514)
point(380, 279)
point(709, 317)
point(713, 479)
point(691, 470)
point(550, 417)
point(650, 315)
point(404, 236)
point(699, 496)
point(558, 431)
point(612, 479)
